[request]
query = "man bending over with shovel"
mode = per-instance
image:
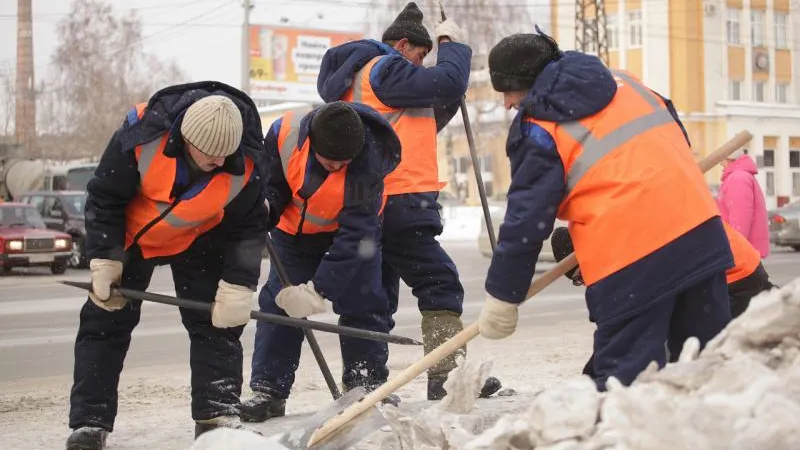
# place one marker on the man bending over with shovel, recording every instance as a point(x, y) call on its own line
point(418, 101)
point(600, 150)
point(325, 195)
point(177, 185)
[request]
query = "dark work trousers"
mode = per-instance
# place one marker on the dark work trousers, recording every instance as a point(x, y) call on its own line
point(215, 354)
point(276, 353)
point(741, 291)
point(411, 252)
point(624, 348)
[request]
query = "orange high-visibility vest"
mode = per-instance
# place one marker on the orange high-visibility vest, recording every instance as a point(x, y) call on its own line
point(745, 257)
point(418, 170)
point(320, 212)
point(183, 221)
point(632, 185)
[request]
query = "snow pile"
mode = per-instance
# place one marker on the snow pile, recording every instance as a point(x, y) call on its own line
point(231, 438)
point(742, 392)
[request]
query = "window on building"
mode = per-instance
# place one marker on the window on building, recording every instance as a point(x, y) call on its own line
point(796, 184)
point(758, 91)
point(612, 32)
point(781, 36)
point(768, 160)
point(634, 29)
point(735, 90)
point(757, 28)
point(794, 159)
point(733, 26)
point(781, 93)
point(770, 183)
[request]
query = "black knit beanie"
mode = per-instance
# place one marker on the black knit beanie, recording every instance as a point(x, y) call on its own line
point(337, 132)
point(408, 24)
point(561, 242)
point(516, 61)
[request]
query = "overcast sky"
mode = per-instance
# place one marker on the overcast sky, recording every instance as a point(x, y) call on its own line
point(202, 35)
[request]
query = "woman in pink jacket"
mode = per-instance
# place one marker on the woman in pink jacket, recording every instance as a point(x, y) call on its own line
point(741, 201)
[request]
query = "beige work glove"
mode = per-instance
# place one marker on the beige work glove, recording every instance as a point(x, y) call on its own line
point(498, 319)
point(106, 272)
point(448, 29)
point(301, 300)
point(231, 306)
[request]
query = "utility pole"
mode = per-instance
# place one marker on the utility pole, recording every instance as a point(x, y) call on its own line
point(25, 121)
point(245, 83)
point(591, 33)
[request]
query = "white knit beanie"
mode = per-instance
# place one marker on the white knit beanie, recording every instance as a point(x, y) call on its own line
point(213, 124)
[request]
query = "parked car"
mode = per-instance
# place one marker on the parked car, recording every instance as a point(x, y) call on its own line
point(63, 211)
point(26, 241)
point(497, 214)
point(784, 225)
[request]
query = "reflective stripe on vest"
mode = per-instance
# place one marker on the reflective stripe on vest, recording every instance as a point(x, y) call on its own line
point(164, 226)
point(596, 148)
point(745, 257)
point(289, 148)
point(632, 184)
point(418, 170)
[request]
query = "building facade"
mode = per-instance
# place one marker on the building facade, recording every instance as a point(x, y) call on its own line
point(728, 66)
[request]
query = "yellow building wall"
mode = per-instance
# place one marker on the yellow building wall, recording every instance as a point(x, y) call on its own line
point(686, 55)
point(736, 64)
point(783, 65)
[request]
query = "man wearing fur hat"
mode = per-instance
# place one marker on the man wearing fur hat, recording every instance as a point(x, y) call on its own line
point(325, 194)
point(177, 185)
point(418, 101)
point(598, 149)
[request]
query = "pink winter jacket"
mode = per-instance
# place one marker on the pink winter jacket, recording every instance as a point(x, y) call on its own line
point(742, 205)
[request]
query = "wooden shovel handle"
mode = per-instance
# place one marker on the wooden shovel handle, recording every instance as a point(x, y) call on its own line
point(470, 332)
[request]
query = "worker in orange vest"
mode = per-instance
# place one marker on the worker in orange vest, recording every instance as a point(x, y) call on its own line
point(746, 279)
point(600, 150)
point(177, 185)
point(419, 102)
point(325, 193)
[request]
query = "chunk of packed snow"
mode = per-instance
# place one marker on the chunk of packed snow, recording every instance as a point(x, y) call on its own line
point(741, 392)
point(234, 439)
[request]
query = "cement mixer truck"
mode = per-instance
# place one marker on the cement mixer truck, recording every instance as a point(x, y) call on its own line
point(19, 175)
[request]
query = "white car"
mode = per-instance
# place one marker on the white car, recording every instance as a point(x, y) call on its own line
point(497, 214)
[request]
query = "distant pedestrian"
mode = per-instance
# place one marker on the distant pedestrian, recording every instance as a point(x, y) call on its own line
point(741, 200)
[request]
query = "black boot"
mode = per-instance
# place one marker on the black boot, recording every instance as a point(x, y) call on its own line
point(87, 438)
point(201, 426)
point(262, 406)
point(436, 387)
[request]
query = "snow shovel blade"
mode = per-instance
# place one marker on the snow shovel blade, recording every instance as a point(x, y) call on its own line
point(365, 424)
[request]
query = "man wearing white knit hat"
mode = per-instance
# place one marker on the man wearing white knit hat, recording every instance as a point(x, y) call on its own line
point(177, 185)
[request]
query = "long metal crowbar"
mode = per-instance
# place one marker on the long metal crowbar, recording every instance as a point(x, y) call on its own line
point(257, 315)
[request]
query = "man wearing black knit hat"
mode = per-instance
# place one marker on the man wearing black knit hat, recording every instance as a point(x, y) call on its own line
point(419, 101)
point(598, 149)
point(325, 194)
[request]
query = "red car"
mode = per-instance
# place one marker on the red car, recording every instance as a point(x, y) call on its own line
point(25, 240)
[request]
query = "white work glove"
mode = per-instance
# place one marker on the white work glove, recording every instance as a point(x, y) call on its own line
point(448, 29)
point(106, 272)
point(231, 306)
point(498, 319)
point(301, 300)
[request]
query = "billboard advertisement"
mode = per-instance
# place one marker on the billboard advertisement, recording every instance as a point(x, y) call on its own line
point(284, 61)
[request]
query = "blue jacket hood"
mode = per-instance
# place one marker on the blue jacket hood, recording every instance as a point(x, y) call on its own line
point(571, 88)
point(381, 153)
point(340, 64)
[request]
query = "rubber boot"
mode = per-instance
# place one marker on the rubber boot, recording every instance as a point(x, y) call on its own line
point(87, 438)
point(202, 426)
point(262, 406)
point(437, 328)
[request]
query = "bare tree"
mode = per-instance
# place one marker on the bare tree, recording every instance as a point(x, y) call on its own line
point(98, 72)
point(7, 99)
